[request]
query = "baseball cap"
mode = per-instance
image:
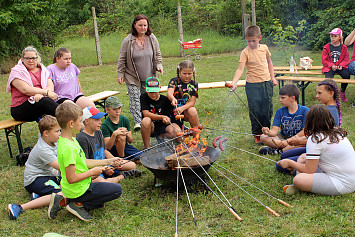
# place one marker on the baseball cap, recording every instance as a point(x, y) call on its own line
point(336, 31)
point(152, 84)
point(113, 102)
point(92, 112)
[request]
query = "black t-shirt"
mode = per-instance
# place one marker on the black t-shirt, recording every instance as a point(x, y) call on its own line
point(335, 52)
point(188, 90)
point(161, 107)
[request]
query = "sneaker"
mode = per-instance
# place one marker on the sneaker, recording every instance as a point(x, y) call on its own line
point(290, 189)
point(354, 104)
point(257, 139)
point(14, 211)
point(77, 209)
point(160, 140)
point(264, 150)
point(343, 97)
point(54, 205)
point(34, 196)
point(131, 173)
point(137, 127)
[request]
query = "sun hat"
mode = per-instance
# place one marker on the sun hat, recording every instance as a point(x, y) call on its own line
point(113, 102)
point(152, 84)
point(336, 31)
point(92, 112)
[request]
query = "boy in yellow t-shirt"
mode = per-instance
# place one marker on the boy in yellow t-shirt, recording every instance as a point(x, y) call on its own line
point(259, 81)
point(76, 181)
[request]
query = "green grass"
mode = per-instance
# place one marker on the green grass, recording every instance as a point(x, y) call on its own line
point(143, 211)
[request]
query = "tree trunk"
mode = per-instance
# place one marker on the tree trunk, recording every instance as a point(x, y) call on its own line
point(97, 41)
point(244, 11)
point(253, 15)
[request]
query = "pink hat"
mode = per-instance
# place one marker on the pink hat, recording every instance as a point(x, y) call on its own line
point(336, 31)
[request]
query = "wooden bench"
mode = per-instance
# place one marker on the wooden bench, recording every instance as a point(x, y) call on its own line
point(209, 85)
point(305, 81)
point(287, 68)
point(12, 127)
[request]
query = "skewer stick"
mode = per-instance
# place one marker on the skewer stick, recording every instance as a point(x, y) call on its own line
point(187, 193)
point(252, 153)
point(279, 200)
point(231, 209)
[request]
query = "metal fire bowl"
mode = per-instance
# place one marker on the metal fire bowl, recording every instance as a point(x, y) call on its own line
point(154, 160)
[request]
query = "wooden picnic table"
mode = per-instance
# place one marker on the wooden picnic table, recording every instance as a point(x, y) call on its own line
point(287, 68)
point(305, 81)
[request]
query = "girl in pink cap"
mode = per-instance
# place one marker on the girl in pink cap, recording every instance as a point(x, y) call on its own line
point(335, 59)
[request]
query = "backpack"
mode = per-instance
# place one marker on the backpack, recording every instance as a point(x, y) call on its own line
point(22, 158)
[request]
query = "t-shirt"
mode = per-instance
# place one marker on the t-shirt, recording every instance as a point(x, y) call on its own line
point(188, 90)
point(66, 84)
point(334, 112)
point(162, 106)
point(93, 146)
point(257, 66)
point(108, 127)
point(336, 160)
point(70, 153)
point(335, 52)
point(290, 124)
point(38, 162)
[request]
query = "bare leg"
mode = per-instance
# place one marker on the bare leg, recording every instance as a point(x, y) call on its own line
point(191, 116)
point(128, 166)
point(274, 142)
point(147, 127)
point(116, 179)
point(38, 202)
point(84, 102)
point(303, 181)
point(120, 143)
point(172, 130)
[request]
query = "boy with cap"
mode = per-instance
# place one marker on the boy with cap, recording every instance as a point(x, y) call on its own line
point(157, 112)
point(93, 145)
point(117, 131)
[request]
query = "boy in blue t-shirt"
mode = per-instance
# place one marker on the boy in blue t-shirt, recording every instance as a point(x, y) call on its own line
point(289, 120)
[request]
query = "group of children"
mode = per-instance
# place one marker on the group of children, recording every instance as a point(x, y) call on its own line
point(92, 164)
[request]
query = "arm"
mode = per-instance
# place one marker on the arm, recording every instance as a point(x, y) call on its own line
point(271, 70)
point(55, 165)
point(129, 137)
point(80, 89)
point(344, 59)
point(170, 95)
point(122, 60)
point(26, 89)
point(188, 105)
point(310, 167)
point(159, 59)
point(94, 163)
point(326, 61)
point(271, 133)
point(73, 177)
point(238, 74)
point(350, 39)
point(110, 141)
point(165, 119)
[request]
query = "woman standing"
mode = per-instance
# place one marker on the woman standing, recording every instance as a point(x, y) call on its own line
point(140, 58)
point(31, 88)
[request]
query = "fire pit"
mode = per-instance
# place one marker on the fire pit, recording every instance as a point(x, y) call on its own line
point(156, 161)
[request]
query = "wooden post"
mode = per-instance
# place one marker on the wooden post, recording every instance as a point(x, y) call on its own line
point(244, 11)
point(97, 41)
point(246, 21)
point(181, 34)
point(253, 16)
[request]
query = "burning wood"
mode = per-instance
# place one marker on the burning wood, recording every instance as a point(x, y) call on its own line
point(186, 160)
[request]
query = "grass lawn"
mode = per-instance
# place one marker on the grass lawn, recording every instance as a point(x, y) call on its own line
point(145, 211)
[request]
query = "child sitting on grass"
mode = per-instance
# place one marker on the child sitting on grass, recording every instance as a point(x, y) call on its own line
point(289, 119)
point(158, 118)
point(92, 142)
point(183, 92)
point(41, 177)
point(327, 148)
point(76, 182)
point(117, 131)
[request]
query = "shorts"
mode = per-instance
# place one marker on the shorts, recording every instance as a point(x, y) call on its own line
point(323, 184)
point(60, 101)
point(159, 128)
point(45, 185)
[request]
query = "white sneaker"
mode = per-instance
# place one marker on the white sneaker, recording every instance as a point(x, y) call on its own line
point(137, 127)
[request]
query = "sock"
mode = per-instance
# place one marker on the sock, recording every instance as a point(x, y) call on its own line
point(63, 202)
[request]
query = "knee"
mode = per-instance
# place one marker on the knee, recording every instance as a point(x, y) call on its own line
point(299, 179)
point(146, 122)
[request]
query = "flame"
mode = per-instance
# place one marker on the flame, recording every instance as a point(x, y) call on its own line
point(193, 144)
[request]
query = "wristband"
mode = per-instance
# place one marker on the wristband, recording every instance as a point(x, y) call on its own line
point(47, 92)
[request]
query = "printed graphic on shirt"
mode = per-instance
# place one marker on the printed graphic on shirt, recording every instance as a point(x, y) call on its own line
point(99, 153)
point(290, 125)
point(65, 77)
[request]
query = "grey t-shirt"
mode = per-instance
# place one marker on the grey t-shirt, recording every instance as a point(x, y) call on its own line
point(143, 59)
point(93, 146)
point(38, 162)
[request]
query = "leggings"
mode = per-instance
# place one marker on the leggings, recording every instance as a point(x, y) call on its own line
point(344, 73)
point(32, 112)
point(292, 154)
point(134, 94)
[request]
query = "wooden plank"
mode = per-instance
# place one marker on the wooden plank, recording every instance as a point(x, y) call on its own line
point(287, 68)
point(102, 95)
point(209, 85)
point(302, 72)
point(313, 79)
point(10, 123)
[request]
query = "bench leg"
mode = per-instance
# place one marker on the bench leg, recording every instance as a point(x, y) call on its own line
point(17, 132)
point(7, 133)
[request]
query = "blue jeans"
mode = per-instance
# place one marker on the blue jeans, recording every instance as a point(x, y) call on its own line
point(99, 193)
point(292, 154)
